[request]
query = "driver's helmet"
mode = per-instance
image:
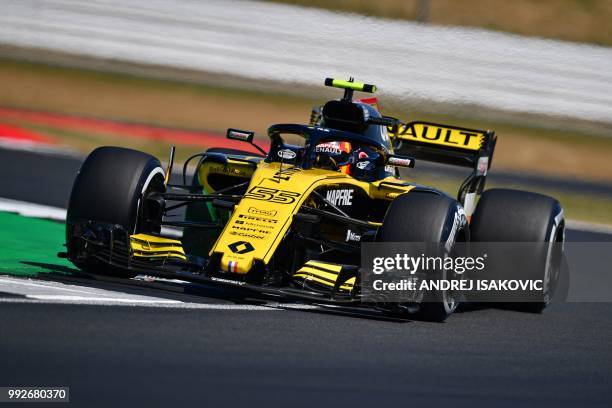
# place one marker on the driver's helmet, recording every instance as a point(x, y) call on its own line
point(365, 165)
point(359, 162)
point(334, 156)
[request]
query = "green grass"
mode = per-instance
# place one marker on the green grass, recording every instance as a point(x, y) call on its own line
point(29, 246)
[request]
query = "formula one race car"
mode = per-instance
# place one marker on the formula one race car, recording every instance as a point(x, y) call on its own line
point(288, 223)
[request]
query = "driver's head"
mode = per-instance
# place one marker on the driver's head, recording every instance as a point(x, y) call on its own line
point(334, 156)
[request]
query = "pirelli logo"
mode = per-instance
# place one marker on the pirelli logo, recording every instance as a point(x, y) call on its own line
point(466, 139)
point(249, 217)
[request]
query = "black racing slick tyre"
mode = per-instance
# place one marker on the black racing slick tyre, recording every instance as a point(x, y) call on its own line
point(505, 215)
point(109, 189)
point(430, 218)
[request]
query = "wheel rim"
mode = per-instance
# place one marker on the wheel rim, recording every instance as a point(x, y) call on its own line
point(449, 298)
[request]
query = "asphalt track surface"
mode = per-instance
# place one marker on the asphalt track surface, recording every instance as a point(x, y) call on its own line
point(188, 346)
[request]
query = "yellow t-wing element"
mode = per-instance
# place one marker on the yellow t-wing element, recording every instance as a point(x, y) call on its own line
point(151, 246)
point(448, 136)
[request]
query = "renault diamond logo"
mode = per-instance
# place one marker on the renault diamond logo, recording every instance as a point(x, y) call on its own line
point(241, 247)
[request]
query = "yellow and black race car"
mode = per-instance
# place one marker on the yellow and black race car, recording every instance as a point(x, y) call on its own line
point(290, 222)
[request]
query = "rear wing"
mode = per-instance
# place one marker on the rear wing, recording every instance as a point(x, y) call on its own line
point(450, 145)
point(446, 144)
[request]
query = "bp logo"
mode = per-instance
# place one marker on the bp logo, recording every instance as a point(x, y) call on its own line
point(241, 247)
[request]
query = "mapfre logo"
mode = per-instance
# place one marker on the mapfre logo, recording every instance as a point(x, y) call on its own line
point(259, 211)
point(340, 197)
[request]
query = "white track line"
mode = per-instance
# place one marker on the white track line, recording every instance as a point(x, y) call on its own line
point(41, 292)
point(55, 213)
point(61, 293)
point(86, 301)
point(32, 210)
point(19, 281)
point(72, 298)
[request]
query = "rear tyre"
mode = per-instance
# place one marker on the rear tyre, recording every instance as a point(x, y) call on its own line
point(431, 218)
point(109, 189)
point(505, 215)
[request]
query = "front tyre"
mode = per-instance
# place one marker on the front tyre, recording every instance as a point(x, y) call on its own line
point(428, 218)
point(109, 189)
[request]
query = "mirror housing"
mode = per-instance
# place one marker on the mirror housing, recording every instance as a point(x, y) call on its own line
point(400, 161)
point(242, 135)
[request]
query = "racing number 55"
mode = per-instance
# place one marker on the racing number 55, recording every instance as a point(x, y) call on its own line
point(272, 194)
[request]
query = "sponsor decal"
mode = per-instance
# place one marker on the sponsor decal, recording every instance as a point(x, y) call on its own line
point(363, 165)
point(259, 211)
point(286, 154)
point(483, 166)
point(340, 197)
point(256, 225)
point(246, 235)
point(241, 247)
point(250, 229)
point(352, 236)
point(329, 148)
point(399, 161)
point(284, 174)
point(443, 135)
point(239, 134)
point(459, 220)
point(248, 217)
point(231, 282)
point(227, 170)
point(232, 267)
